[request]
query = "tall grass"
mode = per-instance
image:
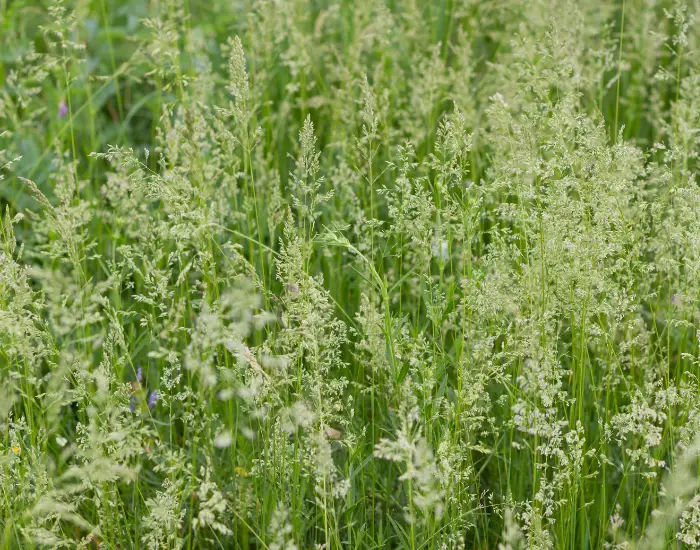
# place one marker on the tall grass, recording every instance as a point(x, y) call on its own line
point(284, 274)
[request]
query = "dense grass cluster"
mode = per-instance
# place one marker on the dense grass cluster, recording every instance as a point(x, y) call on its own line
point(290, 274)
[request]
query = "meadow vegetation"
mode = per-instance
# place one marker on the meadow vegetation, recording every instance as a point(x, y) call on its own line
point(290, 274)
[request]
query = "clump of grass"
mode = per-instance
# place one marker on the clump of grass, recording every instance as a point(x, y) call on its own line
point(286, 275)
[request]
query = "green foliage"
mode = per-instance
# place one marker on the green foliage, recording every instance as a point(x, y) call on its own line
point(290, 274)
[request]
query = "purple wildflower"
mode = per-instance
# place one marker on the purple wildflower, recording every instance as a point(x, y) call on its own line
point(139, 375)
point(62, 109)
point(153, 399)
point(132, 403)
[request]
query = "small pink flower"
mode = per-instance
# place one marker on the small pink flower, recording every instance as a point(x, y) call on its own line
point(62, 109)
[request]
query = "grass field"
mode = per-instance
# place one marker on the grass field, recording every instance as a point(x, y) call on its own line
point(319, 274)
